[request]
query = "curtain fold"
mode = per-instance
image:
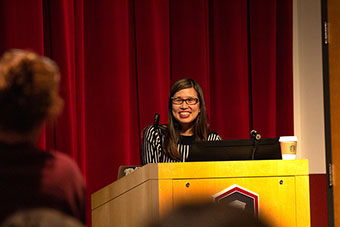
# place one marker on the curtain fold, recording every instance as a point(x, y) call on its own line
point(118, 60)
point(284, 69)
point(152, 34)
point(24, 31)
point(67, 49)
point(230, 115)
point(263, 64)
point(112, 132)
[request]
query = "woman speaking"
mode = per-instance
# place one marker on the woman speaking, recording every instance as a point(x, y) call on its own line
point(187, 122)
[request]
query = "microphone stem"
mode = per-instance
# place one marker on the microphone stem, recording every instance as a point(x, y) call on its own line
point(254, 149)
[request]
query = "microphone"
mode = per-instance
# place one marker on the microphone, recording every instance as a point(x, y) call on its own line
point(156, 121)
point(255, 135)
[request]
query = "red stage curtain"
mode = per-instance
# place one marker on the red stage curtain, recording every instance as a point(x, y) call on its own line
point(119, 58)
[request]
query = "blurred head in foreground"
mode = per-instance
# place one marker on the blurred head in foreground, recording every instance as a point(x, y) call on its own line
point(29, 86)
point(40, 217)
point(208, 214)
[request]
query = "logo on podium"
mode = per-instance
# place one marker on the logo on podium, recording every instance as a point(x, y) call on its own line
point(239, 197)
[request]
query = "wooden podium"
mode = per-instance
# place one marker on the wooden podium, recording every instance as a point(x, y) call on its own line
point(281, 188)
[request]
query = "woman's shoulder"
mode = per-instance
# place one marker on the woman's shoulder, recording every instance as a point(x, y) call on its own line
point(150, 132)
point(213, 133)
point(150, 129)
point(213, 136)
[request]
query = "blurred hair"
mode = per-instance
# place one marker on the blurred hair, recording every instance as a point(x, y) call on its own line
point(29, 86)
point(208, 214)
point(201, 126)
point(40, 217)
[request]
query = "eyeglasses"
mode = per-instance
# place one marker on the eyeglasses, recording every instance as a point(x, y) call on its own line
point(179, 101)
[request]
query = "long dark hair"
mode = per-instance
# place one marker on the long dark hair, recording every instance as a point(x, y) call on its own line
point(172, 131)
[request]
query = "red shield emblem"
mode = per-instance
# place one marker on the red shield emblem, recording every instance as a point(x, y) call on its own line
point(239, 197)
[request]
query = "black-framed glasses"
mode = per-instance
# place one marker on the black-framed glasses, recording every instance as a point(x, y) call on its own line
point(179, 101)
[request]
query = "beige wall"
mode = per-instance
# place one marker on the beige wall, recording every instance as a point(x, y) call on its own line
point(308, 83)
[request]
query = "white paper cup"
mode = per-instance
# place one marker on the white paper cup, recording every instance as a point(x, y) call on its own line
point(288, 147)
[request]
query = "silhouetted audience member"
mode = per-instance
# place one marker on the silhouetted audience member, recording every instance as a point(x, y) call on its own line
point(29, 177)
point(208, 215)
point(40, 217)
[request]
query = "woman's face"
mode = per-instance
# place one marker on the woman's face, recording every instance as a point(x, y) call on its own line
point(184, 113)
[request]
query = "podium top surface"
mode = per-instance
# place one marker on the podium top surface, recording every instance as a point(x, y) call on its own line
point(201, 170)
point(255, 168)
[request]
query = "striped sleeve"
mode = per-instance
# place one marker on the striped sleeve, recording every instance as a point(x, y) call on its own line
point(213, 136)
point(151, 147)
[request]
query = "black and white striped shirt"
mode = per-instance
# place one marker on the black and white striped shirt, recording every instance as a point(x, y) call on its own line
point(152, 146)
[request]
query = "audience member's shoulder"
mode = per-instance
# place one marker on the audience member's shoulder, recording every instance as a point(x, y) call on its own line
point(63, 167)
point(64, 159)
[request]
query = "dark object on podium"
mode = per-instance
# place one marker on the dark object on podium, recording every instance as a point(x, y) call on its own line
point(234, 150)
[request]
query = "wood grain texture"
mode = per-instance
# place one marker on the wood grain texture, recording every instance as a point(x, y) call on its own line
point(160, 187)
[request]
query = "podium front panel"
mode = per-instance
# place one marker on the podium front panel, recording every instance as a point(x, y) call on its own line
point(280, 189)
point(276, 195)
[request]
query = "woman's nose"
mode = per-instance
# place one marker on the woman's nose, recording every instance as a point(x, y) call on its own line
point(184, 105)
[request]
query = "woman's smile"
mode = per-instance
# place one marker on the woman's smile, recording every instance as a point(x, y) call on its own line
point(184, 113)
